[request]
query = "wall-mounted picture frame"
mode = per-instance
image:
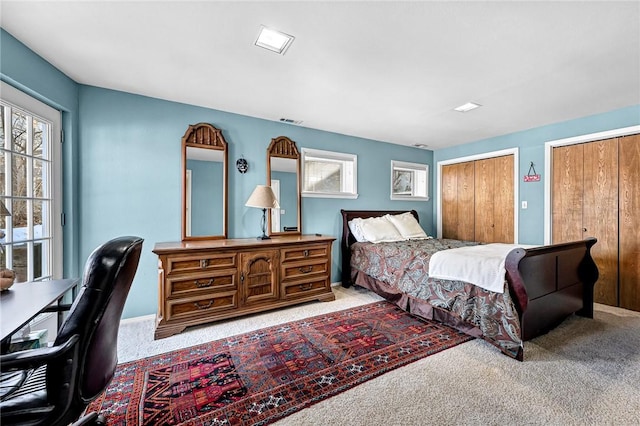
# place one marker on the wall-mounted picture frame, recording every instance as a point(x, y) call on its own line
point(409, 181)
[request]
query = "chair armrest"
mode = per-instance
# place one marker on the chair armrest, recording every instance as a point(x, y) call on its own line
point(34, 358)
point(58, 308)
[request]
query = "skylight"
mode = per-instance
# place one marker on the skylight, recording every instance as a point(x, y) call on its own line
point(467, 107)
point(273, 40)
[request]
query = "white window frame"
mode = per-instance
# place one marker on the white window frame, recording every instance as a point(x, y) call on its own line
point(409, 167)
point(331, 156)
point(17, 99)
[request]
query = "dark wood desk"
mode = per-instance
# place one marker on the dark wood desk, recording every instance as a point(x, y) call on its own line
point(23, 301)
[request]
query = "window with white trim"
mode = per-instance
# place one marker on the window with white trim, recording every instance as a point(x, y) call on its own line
point(409, 181)
point(329, 174)
point(30, 181)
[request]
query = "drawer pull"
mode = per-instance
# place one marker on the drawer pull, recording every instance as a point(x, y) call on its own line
point(305, 253)
point(306, 269)
point(204, 263)
point(242, 277)
point(305, 287)
point(207, 306)
point(204, 284)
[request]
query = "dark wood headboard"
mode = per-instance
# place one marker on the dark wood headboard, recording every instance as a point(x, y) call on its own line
point(348, 238)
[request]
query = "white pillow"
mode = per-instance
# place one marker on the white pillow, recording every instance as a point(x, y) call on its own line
point(356, 230)
point(407, 225)
point(380, 229)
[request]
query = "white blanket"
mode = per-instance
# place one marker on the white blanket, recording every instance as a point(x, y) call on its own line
point(482, 265)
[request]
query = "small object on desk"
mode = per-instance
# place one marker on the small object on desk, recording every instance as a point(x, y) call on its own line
point(7, 277)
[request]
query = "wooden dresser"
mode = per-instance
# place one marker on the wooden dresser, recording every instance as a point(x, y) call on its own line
point(204, 281)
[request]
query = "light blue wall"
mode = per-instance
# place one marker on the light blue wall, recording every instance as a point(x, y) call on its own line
point(130, 175)
point(531, 149)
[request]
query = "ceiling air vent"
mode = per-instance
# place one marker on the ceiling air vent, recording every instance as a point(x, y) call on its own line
point(290, 121)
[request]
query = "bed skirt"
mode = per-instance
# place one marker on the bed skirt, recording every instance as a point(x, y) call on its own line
point(422, 308)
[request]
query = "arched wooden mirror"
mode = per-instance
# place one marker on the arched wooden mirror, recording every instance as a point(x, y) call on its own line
point(283, 175)
point(204, 183)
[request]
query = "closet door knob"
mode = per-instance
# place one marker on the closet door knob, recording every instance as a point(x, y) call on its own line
point(584, 229)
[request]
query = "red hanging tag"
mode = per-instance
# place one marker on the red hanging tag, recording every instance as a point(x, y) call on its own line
point(532, 176)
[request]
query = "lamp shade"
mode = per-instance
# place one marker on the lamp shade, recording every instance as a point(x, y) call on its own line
point(263, 197)
point(3, 209)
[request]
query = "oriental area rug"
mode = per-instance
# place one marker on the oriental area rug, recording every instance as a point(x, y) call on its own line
point(259, 377)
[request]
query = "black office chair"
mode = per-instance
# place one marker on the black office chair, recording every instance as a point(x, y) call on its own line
point(58, 382)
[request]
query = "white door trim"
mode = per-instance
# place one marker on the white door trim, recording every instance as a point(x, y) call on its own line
point(275, 213)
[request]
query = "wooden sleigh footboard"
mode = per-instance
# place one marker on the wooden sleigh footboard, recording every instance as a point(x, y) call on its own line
point(549, 283)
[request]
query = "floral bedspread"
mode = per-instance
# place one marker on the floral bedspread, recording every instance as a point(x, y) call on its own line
point(404, 266)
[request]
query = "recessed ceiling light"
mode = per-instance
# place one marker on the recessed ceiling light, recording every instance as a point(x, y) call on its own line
point(467, 107)
point(273, 40)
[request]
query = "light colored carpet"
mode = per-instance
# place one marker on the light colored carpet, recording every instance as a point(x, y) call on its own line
point(585, 372)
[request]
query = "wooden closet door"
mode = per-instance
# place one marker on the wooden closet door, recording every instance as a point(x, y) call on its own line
point(567, 193)
point(629, 197)
point(503, 204)
point(457, 201)
point(484, 188)
point(494, 200)
point(466, 200)
point(600, 214)
point(449, 199)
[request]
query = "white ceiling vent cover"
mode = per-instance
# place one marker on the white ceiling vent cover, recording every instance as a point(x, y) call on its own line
point(290, 121)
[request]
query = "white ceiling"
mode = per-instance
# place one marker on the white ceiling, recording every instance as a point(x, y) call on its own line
point(389, 71)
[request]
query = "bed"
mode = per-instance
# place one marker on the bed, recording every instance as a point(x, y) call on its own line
point(543, 285)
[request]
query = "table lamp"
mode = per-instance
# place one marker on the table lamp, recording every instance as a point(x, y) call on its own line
point(263, 198)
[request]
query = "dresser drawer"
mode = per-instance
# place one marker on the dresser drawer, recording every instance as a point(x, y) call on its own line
point(200, 262)
point(216, 281)
point(298, 270)
point(304, 253)
point(204, 305)
point(303, 288)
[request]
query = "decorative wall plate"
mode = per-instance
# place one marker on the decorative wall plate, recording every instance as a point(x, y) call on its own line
point(242, 165)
